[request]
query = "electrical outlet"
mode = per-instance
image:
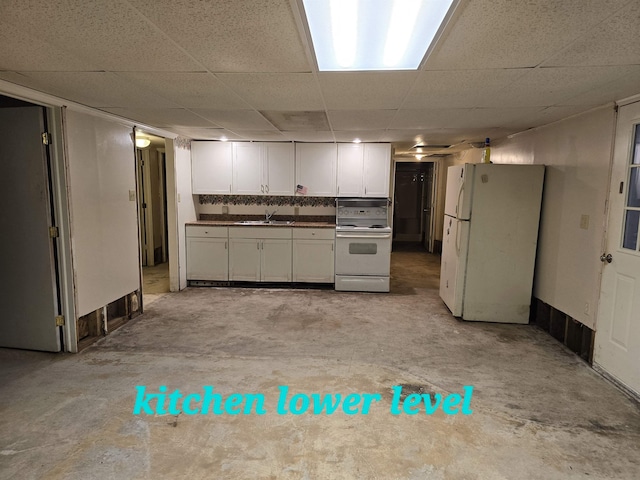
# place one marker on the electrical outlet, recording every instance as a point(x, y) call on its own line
point(586, 308)
point(296, 211)
point(225, 209)
point(132, 195)
point(584, 222)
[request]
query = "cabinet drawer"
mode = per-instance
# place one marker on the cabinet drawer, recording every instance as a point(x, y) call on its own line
point(314, 233)
point(206, 232)
point(260, 232)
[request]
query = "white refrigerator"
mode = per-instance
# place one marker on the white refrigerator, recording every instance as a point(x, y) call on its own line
point(492, 213)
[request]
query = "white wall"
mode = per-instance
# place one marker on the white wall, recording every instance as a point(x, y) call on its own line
point(186, 210)
point(577, 153)
point(104, 228)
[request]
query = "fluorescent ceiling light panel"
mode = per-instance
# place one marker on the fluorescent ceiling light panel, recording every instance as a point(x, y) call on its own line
point(373, 34)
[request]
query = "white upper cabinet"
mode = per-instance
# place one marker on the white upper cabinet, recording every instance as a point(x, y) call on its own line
point(350, 169)
point(278, 168)
point(247, 169)
point(211, 164)
point(316, 168)
point(263, 168)
point(377, 165)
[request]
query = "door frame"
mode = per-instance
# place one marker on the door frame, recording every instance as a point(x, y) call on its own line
point(59, 188)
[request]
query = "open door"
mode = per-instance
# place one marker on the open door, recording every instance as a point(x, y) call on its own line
point(617, 341)
point(30, 299)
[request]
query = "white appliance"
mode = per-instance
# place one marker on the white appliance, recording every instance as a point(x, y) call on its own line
point(492, 213)
point(363, 245)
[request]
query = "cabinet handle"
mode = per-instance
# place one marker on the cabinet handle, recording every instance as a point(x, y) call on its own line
point(229, 188)
point(332, 247)
point(267, 188)
point(225, 245)
point(258, 245)
point(365, 190)
point(338, 189)
point(262, 187)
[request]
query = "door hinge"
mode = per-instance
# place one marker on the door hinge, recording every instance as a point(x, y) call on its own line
point(53, 232)
point(60, 321)
point(46, 138)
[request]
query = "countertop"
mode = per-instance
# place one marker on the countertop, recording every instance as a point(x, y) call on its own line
point(232, 223)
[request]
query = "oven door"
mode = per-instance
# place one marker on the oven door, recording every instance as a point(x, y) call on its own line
point(363, 253)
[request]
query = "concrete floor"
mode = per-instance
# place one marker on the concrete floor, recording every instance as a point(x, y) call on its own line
point(538, 411)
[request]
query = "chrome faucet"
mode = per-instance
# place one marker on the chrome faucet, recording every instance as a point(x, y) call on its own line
point(268, 215)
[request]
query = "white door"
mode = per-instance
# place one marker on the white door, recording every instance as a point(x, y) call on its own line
point(377, 165)
point(279, 168)
point(247, 169)
point(350, 169)
point(617, 342)
point(211, 167)
point(207, 259)
point(244, 259)
point(452, 263)
point(276, 260)
point(316, 168)
point(29, 292)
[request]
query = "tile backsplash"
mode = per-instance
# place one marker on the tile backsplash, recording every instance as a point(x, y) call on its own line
point(257, 204)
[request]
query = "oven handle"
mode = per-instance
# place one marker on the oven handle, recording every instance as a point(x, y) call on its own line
point(373, 235)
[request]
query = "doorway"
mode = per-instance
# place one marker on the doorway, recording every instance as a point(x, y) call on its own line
point(414, 204)
point(29, 258)
point(151, 174)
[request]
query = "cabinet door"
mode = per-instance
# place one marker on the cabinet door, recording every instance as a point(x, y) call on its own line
point(377, 164)
point(207, 259)
point(244, 259)
point(316, 168)
point(247, 169)
point(211, 167)
point(313, 261)
point(350, 169)
point(276, 260)
point(278, 168)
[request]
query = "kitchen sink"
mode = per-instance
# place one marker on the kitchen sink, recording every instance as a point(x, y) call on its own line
point(265, 222)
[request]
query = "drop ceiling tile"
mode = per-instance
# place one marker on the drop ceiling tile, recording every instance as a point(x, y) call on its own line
point(24, 51)
point(308, 136)
point(508, 34)
point(363, 136)
point(188, 89)
point(95, 89)
point(232, 36)
point(198, 133)
point(261, 135)
point(551, 86)
point(232, 119)
point(274, 91)
point(624, 87)
point(112, 35)
point(613, 42)
point(360, 119)
point(162, 117)
point(365, 90)
point(459, 118)
point(461, 88)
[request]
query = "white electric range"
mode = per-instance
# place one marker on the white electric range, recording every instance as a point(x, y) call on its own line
point(363, 245)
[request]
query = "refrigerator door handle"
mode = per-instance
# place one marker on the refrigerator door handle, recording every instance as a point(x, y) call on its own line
point(457, 244)
point(460, 190)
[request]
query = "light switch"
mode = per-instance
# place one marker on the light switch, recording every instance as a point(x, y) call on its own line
point(132, 195)
point(584, 222)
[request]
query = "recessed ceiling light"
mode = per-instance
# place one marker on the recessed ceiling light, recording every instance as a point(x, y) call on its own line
point(373, 34)
point(223, 139)
point(357, 140)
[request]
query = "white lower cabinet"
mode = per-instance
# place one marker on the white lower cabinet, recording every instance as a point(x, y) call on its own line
point(313, 255)
point(207, 253)
point(260, 254)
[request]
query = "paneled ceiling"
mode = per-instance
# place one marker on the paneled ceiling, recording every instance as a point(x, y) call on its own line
point(244, 69)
